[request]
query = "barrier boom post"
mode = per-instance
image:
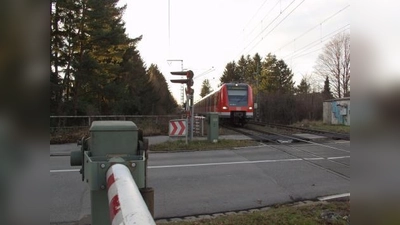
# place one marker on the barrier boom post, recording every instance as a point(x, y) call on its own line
point(125, 201)
point(116, 152)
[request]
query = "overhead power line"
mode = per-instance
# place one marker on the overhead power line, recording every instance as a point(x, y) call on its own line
point(270, 25)
point(276, 25)
point(277, 2)
point(312, 28)
point(316, 42)
point(298, 56)
point(204, 73)
point(254, 14)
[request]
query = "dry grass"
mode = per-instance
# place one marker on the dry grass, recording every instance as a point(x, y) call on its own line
point(319, 125)
point(333, 213)
point(69, 135)
point(201, 145)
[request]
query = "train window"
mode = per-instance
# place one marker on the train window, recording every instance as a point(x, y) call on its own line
point(237, 97)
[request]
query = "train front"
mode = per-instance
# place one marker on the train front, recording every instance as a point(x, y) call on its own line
point(238, 103)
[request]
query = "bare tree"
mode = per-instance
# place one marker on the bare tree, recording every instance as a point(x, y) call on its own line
point(314, 81)
point(334, 63)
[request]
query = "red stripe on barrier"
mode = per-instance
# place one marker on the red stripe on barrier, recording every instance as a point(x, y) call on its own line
point(110, 181)
point(114, 207)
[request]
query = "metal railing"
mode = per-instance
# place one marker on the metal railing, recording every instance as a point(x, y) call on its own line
point(81, 122)
point(67, 123)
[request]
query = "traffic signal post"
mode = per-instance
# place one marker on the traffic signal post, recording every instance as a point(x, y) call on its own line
point(189, 109)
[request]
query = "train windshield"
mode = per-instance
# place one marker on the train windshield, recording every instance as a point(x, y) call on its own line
point(237, 95)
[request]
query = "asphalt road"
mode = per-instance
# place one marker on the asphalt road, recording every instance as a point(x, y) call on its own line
point(192, 183)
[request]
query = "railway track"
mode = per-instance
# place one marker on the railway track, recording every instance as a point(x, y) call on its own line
point(328, 134)
point(280, 139)
point(290, 146)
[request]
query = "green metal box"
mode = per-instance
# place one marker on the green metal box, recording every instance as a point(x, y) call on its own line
point(213, 127)
point(108, 138)
point(110, 142)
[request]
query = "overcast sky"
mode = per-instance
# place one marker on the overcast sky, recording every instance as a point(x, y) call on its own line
point(206, 34)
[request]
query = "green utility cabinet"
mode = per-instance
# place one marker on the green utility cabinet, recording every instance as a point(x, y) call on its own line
point(113, 137)
point(213, 127)
point(110, 142)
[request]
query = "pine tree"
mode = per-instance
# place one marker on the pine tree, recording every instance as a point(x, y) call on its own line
point(56, 43)
point(327, 94)
point(230, 73)
point(303, 87)
point(166, 103)
point(205, 88)
point(104, 49)
point(276, 76)
point(88, 41)
point(242, 69)
point(96, 68)
point(255, 72)
point(65, 28)
point(137, 92)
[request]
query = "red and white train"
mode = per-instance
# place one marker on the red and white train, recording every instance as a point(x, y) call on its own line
point(232, 101)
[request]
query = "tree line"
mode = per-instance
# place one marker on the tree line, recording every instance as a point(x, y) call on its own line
point(277, 97)
point(96, 68)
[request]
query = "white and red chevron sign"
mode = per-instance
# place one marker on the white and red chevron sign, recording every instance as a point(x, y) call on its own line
point(177, 127)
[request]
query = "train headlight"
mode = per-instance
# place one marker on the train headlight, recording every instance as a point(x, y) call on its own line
point(224, 107)
point(250, 108)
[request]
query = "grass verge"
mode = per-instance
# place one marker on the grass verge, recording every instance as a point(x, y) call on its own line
point(334, 213)
point(201, 145)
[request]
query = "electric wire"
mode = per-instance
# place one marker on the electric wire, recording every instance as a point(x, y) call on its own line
point(267, 27)
point(204, 73)
point(254, 15)
point(301, 55)
point(269, 12)
point(276, 25)
point(317, 42)
point(316, 26)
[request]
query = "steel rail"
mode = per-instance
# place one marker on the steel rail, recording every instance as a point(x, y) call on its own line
point(246, 132)
point(329, 134)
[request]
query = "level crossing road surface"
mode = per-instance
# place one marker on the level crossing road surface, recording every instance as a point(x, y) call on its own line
point(193, 183)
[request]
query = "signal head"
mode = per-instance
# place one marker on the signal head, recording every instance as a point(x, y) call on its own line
point(189, 74)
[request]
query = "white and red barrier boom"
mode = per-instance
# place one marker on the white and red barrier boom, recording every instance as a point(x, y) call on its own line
point(125, 201)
